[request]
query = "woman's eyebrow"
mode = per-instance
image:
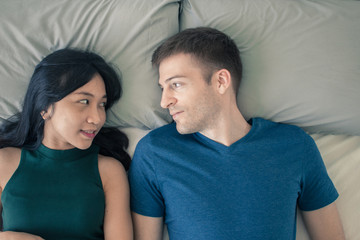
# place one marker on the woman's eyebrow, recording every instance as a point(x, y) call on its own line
point(88, 94)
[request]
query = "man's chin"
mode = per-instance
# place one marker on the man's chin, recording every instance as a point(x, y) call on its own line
point(183, 129)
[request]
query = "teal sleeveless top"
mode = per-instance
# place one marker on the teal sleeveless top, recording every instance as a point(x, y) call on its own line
point(56, 194)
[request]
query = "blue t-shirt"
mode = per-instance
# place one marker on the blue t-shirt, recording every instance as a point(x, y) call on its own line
point(249, 190)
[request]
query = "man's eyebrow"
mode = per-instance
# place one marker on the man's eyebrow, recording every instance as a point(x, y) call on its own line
point(171, 78)
point(88, 94)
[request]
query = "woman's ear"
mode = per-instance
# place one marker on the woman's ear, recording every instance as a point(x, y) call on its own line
point(44, 114)
point(47, 114)
point(223, 80)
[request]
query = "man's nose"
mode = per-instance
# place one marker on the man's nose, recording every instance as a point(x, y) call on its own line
point(167, 99)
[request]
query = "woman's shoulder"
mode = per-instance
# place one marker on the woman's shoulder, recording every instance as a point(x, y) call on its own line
point(9, 162)
point(9, 151)
point(111, 170)
point(109, 162)
point(9, 156)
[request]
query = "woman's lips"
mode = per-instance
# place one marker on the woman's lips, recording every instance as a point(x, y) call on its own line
point(89, 133)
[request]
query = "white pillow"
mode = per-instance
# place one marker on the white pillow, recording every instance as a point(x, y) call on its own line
point(301, 59)
point(124, 32)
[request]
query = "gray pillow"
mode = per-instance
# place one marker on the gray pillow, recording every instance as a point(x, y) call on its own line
point(301, 58)
point(124, 32)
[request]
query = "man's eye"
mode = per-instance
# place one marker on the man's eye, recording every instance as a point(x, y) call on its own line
point(84, 101)
point(176, 85)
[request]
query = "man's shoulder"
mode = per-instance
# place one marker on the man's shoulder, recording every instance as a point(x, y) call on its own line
point(163, 131)
point(160, 135)
point(154, 147)
point(278, 130)
point(166, 129)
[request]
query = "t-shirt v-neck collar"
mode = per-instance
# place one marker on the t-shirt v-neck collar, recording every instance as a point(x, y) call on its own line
point(219, 146)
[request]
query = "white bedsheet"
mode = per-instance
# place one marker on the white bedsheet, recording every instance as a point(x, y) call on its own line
point(341, 156)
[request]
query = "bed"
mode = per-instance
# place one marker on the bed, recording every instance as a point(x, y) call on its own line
point(301, 65)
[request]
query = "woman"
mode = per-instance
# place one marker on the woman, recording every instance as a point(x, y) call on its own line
point(59, 177)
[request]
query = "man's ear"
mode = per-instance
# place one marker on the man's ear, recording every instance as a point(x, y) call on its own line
point(223, 80)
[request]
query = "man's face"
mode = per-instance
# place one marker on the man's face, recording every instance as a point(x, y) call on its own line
point(192, 102)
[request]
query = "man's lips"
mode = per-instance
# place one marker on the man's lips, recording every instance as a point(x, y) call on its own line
point(175, 114)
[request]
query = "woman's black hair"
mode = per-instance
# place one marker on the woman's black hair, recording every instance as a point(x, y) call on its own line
point(56, 76)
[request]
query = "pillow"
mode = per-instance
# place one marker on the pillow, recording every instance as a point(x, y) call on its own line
point(301, 59)
point(124, 32)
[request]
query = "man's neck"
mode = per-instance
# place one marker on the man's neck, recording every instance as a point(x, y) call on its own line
point(229, 128)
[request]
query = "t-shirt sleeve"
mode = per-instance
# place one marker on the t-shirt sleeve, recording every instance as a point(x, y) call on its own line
point(145, 197)
point(317, 189)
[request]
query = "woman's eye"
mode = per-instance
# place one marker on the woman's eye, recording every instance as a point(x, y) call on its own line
point(103, 104)
point(84, 101)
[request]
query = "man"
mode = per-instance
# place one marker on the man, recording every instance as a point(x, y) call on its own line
point(213, 175)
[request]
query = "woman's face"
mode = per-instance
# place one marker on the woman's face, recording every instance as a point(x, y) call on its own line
point(75, 120)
